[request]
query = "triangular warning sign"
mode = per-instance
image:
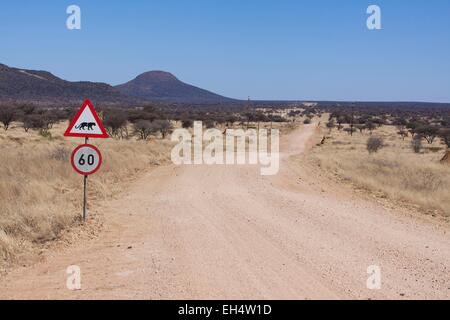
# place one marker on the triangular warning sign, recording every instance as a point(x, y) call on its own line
point(86, 123)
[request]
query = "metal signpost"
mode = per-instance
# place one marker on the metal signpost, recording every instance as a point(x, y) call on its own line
point(86, 159)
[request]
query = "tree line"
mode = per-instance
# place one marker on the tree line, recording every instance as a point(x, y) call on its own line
point(145, 121)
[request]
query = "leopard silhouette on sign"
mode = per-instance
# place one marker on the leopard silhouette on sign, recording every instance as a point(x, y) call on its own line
point(89, 126)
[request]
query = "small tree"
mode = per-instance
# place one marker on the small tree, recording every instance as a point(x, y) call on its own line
point(230, 120)
point(374, 144)
point(164, 127)
point(416, 144)
point(412, 127)
point(209, 124)
point(27, 109)
point(350, 130)
point(27, 122)
point(428, 132)
point(39, 122)
point(403, 134)
point(115, 121)
point(260, 117)
point(445, 136)
point(400, 123)
point(331, 124)
point(340, 120)
point(352, 125)
point(187, 123)
point(361, 128)
point(143, 128)
point(35, 122)
point(7, 116)
point(370, 126)
point(49, 119)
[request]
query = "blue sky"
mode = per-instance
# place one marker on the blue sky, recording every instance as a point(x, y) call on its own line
point(307, 50)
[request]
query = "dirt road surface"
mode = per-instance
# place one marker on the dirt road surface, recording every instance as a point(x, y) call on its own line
point(226, 232)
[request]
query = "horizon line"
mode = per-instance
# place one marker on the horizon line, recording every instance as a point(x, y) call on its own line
point(254, 100)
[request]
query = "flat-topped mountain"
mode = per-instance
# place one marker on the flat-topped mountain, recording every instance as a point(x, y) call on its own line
point(163, 86)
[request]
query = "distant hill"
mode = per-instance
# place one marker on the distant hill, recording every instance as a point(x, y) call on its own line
point(163, 86)
point(42, 87)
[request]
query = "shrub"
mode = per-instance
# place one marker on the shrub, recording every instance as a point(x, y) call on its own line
point(403, 134)
point(7, 116)
point(43, 132)
point(416, 144)
point(307, 121)
point(445, 136)
point(428, 132)
point(331, 124)
point(209, 124)
point(165, 127)
point(144, 128)
point(27, 122)
point(115, 121)
point(187, 123)
point(370, 126)
point(350, 131)
point(61, 153)
point(374, 144)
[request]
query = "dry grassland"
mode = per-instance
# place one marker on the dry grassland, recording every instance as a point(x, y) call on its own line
point(40, 194)
point(394, 172)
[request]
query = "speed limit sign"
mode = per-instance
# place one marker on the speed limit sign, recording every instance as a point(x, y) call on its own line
point(86, 159)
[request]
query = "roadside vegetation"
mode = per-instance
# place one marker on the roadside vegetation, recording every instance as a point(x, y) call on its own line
point(401, 157)
point(40, 195)
point(398, 152)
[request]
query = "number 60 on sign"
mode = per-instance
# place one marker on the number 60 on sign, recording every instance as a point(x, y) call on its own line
point(86, 159)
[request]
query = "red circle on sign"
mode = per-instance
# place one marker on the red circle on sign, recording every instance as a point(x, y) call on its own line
point(90, 146)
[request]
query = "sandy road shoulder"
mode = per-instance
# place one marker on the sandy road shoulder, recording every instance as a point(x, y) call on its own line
point(225, 232)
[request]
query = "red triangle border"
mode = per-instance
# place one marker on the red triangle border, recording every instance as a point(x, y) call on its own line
point(87, 103)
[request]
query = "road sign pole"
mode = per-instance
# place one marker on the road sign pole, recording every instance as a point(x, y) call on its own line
point(86, 140)
point(86, 159)
point(85, 199)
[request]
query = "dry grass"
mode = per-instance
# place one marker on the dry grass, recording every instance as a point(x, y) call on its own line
point(395, 172)
point(40, 194)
